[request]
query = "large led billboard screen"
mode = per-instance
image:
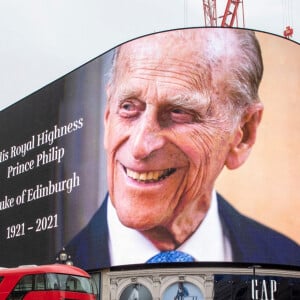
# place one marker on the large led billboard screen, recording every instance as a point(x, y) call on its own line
point(128, 155)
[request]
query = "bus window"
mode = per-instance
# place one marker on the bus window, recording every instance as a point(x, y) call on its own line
point(52, 282)
point(23, 287)
point(75, 283)
point(40, 282)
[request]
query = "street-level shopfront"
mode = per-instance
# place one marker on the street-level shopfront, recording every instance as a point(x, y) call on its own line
point(196, 281)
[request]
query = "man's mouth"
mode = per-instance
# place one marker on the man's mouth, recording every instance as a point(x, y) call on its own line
point(152, 176)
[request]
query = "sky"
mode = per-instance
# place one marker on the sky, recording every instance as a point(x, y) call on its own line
point(42, 40)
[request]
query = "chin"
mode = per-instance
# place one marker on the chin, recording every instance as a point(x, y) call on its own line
point(140, 224)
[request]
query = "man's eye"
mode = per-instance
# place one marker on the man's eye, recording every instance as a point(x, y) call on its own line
point(179, 115)
point(127, 106)
point(129, 109)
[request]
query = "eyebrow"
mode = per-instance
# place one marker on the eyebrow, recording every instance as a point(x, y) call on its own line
point(191, 100)
point(128, 91)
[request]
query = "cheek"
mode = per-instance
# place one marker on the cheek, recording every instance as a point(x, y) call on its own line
point(113, 139)
point(197, 146)
point(206, 151)
point(115, 133)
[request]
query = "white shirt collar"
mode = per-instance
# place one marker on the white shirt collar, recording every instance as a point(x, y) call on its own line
point(208, 243)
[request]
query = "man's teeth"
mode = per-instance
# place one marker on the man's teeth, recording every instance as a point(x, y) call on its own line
point(149, 176)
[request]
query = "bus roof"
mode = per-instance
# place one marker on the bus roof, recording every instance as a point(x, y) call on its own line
point(53, 268)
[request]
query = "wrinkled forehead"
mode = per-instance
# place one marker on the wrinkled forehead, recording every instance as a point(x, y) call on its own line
point(191, 45)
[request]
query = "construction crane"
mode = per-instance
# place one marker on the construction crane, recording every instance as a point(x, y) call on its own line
point(210, 12)
point(288, 18)
point(230, 17)
point(234, 12)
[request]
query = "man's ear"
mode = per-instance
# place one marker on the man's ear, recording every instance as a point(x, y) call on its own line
point(245, 136)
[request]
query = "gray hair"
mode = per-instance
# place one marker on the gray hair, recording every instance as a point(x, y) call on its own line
point(243, 71)
point(246, 71)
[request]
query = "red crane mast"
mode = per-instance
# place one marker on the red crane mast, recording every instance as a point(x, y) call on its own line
point(210, 12)
point(230, 17)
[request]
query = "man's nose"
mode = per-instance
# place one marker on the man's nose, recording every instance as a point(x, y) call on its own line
point(146, 138)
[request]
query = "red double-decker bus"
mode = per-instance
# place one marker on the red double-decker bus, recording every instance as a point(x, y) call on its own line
point(46, 282)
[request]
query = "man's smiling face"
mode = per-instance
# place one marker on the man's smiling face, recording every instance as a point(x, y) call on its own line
point(168, 132)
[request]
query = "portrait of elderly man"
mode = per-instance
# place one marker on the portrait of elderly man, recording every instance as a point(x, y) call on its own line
point(181, 106)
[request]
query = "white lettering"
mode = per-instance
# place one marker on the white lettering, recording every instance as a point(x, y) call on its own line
point(19, 168)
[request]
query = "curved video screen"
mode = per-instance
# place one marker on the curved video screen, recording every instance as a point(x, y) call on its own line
point(179, 146)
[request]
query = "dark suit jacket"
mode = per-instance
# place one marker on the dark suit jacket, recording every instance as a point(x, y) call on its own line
point(251, 242)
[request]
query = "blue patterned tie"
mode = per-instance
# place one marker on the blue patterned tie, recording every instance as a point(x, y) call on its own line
point(170, 256)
